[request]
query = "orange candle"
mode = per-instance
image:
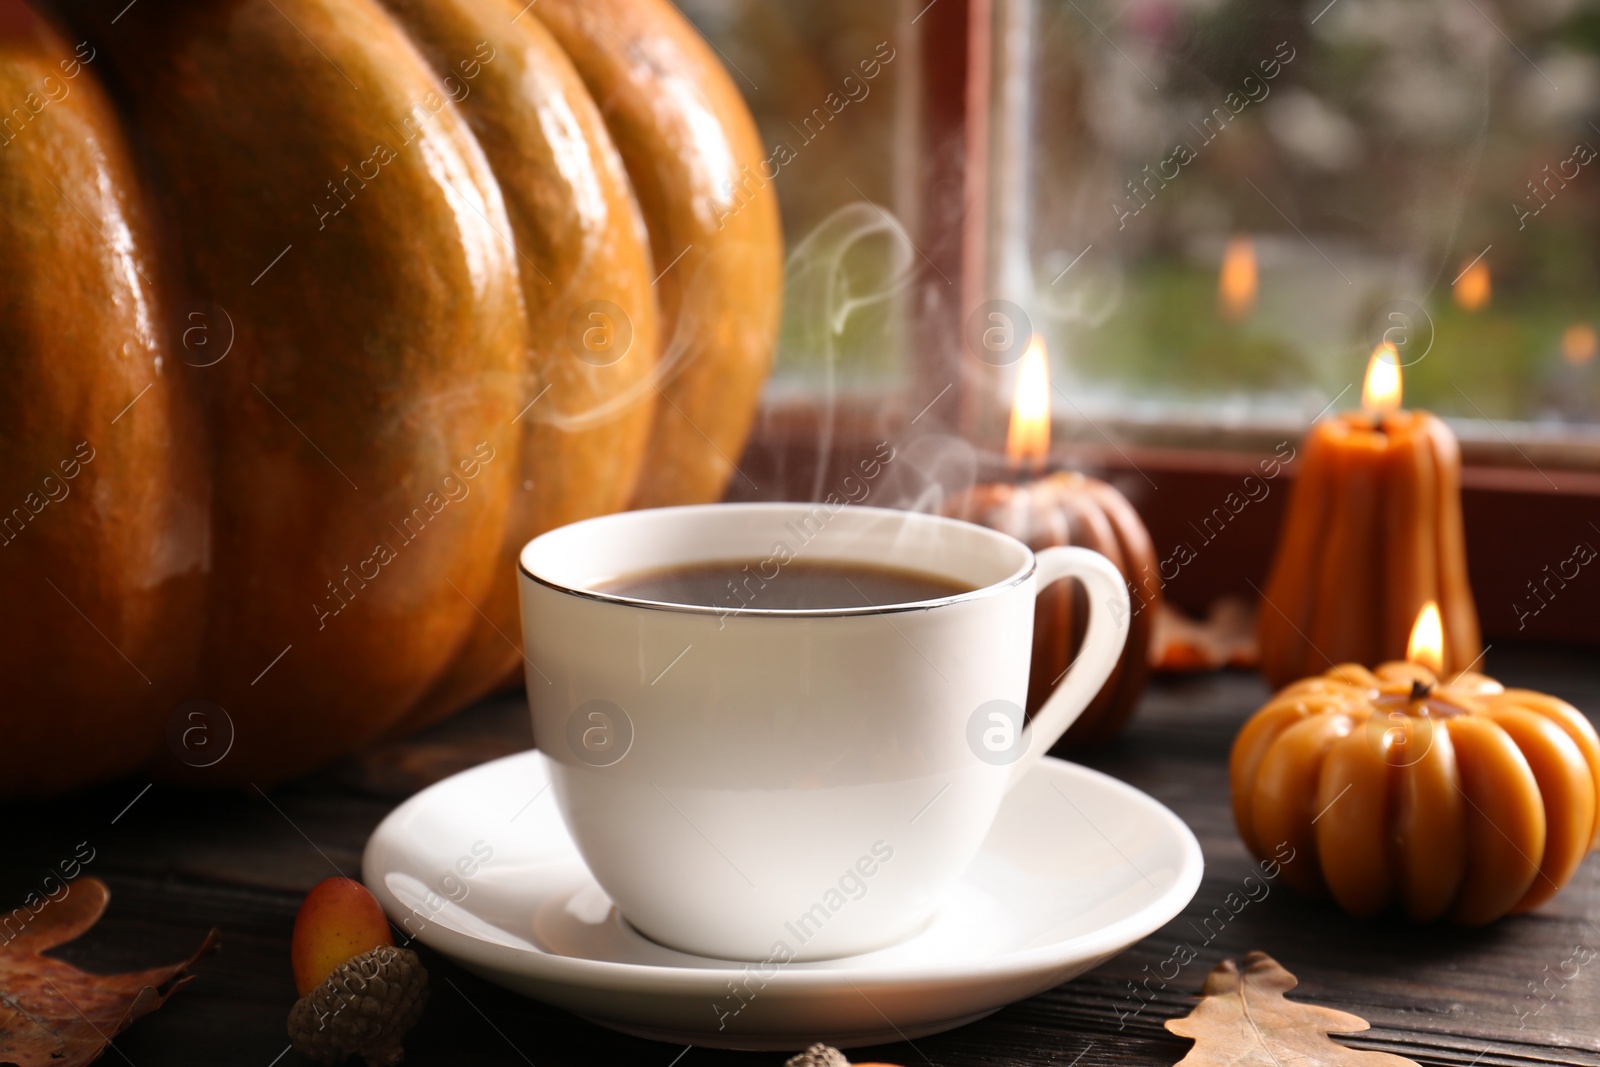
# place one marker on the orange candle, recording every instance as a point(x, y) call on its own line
point(1445, 796)
point(1373, 533)
point(1067, 508)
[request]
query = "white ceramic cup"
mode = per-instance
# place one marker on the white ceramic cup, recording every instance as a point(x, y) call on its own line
point(775, 785)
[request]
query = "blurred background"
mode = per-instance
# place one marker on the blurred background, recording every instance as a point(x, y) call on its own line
point(1211, 210)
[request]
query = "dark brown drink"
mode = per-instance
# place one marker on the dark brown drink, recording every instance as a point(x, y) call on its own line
point(795, 586)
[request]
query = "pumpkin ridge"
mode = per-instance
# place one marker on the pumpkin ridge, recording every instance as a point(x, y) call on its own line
point(103, 536)
point(580, 242)
point(353, 237)
point(713, 226)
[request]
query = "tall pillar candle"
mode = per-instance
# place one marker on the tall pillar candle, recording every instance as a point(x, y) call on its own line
point(1373, 533)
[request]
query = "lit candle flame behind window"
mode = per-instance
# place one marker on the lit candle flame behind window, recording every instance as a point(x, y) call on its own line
point(1237, 280)
point(1579, 343)
point(1472, 289)
point(1028, 437)
point(1380, 393)
point(1426, 646)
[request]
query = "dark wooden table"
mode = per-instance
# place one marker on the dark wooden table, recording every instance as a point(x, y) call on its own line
point(178, 863)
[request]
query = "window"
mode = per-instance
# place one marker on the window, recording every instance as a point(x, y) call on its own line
point(1270, 190)
point(1210, 209)
point(832, 86)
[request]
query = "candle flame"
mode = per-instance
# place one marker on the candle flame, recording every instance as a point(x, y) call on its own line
point(1472, 289)
point(1237, 280)
point(1579, 343)
point(1380, 393)
point(1028, 437)
point(1426, 646)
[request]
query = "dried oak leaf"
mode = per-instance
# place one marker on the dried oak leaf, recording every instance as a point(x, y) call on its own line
point(51, 1013)
point(1243, 1020)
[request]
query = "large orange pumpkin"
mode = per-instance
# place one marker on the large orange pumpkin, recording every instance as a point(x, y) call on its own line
point(313, 311)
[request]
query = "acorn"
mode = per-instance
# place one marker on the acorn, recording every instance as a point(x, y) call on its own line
point(359, 994)
point(820, 1055)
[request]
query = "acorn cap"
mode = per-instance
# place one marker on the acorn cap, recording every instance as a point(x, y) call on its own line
point(818, 1056)
point(363, 1008)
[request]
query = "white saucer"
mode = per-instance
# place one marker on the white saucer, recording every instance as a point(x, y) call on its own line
point(1077, 867)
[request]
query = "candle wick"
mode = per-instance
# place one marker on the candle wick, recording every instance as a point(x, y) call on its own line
point(1420, 690)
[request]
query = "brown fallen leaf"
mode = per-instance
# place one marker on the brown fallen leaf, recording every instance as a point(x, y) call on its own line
point(51, 1013)
point(1226, 637)
point(1243, 1020)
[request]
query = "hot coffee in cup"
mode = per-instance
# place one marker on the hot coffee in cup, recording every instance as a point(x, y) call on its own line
point(780, 731)
point(806, 586)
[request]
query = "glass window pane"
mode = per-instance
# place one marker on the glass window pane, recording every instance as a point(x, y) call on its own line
point(1268, 190)
point(832, 86)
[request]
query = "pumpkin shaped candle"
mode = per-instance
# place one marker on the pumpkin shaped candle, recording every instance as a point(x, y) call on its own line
point(1067, 508)
point(1445, 797)
point(1373, 532)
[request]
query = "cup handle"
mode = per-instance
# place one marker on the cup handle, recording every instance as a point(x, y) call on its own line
point(1107, 632)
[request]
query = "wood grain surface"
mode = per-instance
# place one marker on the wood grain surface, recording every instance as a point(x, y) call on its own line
point(181, 862)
